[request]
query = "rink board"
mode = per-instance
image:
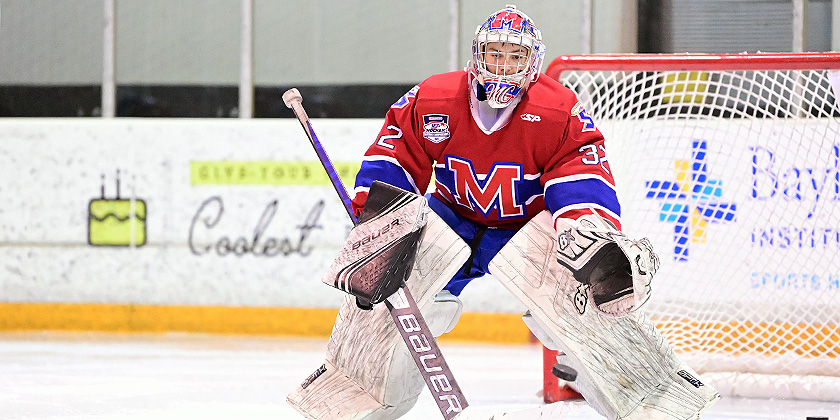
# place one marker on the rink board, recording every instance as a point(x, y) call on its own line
point(234, 219)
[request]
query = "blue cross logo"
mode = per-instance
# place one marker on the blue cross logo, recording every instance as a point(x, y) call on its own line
point(691, 201)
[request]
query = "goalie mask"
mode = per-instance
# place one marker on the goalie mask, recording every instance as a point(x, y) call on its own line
point(507, 56)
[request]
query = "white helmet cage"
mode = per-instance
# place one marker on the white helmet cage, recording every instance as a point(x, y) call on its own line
point(503, 72)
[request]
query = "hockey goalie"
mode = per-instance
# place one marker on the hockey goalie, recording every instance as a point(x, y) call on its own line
point(523, 191)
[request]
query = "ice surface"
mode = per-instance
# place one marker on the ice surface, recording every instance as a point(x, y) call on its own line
point(98, 376)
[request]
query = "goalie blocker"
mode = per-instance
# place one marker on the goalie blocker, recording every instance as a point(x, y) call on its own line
point(377, 257)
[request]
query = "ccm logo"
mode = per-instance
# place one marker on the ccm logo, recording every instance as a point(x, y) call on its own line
point(691, 379)
point(428, 361)
point(530, 117)
point(375, 234)
point(318, 372)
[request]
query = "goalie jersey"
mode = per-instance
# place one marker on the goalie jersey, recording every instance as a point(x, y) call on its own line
point(549, 155)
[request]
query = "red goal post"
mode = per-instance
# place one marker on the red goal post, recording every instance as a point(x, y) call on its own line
point(730, 164)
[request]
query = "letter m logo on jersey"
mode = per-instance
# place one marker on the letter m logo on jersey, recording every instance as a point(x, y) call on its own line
point(497, 190)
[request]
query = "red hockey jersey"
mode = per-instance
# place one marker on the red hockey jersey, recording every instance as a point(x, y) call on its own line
point(550, 155)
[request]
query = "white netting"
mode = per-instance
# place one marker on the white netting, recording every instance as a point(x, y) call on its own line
point(734, 175)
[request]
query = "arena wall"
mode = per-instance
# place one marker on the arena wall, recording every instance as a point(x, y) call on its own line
point(228, 225)
point(184, 225)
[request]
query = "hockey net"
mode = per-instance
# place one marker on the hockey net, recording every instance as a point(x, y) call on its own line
point(730, 164)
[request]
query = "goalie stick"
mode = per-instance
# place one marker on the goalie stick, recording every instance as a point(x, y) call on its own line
point(401, 305)
point(293, 100)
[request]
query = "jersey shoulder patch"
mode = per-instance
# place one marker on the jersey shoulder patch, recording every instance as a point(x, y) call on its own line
point(580, 112)
point(406, 99)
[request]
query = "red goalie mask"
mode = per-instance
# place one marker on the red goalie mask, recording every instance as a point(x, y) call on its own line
point(507, 56)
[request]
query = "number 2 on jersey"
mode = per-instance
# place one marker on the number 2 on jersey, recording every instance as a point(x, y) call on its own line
point(383, 139)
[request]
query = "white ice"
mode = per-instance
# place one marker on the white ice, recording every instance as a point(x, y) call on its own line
point(98, 376)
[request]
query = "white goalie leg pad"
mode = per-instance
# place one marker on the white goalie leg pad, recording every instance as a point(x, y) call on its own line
point(366, 349)
point(329, 393)
point(626, 368)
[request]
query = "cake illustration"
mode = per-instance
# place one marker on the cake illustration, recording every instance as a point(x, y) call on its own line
point(117, 221)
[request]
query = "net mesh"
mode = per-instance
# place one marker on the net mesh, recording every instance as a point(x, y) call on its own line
point(734, 175)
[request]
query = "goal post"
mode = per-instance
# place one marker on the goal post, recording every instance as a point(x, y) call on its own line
point(730, 164)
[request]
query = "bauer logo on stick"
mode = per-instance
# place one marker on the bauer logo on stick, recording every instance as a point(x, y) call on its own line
point(431, 362)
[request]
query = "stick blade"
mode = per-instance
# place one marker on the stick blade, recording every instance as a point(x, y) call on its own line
point(290, 96)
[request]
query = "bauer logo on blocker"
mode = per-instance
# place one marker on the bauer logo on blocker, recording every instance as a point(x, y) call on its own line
point(436, 127)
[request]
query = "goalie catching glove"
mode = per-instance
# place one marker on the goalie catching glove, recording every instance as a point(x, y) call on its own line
point(614, 271)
